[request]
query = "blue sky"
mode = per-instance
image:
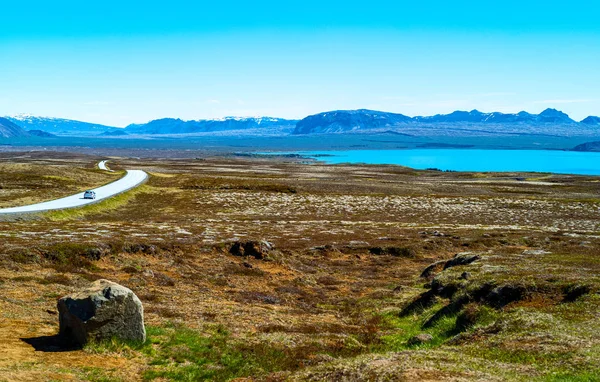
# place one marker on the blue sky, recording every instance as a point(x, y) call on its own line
point(129, 62)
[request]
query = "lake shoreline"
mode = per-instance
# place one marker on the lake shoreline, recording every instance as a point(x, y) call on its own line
point(463, 159)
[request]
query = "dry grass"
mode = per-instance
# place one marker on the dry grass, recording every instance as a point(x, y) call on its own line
point(350, 244)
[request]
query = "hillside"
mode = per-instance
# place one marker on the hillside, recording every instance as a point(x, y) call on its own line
point(114, 133)
point(9, 129)
point(591, 120)
point(589, 146)
point(41, 134)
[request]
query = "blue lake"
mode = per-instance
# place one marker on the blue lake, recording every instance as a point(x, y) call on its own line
point(562, 162)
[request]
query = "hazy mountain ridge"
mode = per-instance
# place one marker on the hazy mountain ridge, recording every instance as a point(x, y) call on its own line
point(178, 126)
point(58, 126)
point(591, 120)
point(41, 134)
point(548, 122)
point(114, 133)
point(589, 146)
point(8, 129)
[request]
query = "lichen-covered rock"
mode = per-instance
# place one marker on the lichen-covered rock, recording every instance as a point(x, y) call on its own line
point(102, 311)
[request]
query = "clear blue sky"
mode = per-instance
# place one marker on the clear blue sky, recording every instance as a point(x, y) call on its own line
point(118, 62)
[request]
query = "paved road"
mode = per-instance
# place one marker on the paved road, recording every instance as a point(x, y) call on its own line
point(102, 166)
point(132, 179)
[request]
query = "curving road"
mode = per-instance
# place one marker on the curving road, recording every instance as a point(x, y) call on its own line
point(102, 166)
point(132, 179)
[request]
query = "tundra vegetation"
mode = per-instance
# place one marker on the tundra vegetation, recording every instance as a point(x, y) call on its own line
point(274, 269)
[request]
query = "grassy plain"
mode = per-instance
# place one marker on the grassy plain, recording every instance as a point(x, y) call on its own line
point(341, 295)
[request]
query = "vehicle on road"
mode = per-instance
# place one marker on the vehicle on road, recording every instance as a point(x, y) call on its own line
point(89, 195)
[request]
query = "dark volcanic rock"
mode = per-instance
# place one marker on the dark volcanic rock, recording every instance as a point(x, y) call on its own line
point(504, 295)
point(461, 259)
point(573, 292)
point(433, 268)
point(257, 249)
point(393, 251)
point(424, 301)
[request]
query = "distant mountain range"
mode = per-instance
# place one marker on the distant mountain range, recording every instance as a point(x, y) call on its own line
point(165, 126)
point(178, 126)
point(58, 126)
point(550, 122)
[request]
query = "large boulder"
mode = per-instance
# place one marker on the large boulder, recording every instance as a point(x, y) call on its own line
point(102, 311)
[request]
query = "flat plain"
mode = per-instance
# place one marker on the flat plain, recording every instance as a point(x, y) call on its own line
point(353, 272)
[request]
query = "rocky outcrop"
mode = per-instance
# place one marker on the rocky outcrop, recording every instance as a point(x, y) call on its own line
point(463, 258)
point(257, 249)
point(394, 251)
point(104, 310)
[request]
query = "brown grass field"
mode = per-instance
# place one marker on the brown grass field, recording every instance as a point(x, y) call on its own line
point(340, 295)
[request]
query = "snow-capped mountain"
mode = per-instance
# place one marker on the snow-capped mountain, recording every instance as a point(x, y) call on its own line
point(548, 122)
point(58, 126)
point(458, 123)
point(178, 126)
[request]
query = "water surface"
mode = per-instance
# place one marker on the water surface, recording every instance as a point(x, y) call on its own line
point(561, 162)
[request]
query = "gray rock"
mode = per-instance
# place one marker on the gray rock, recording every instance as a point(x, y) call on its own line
point(535, 252)
point(420, 339)
point(102, 311)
